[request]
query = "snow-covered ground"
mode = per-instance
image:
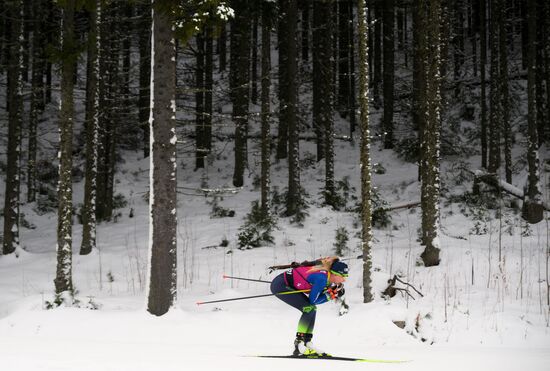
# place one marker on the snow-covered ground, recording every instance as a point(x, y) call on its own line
point(476, 314)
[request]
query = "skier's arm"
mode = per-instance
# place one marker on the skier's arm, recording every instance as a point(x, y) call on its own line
point(318, 282)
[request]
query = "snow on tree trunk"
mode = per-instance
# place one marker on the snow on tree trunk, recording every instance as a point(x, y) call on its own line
point(63, 278)
point(366, 209)
point(161, 283)
point(92, 133)
point(431, 12)
point(15, 121)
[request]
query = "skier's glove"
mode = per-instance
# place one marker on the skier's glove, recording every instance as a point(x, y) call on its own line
point(335, 291)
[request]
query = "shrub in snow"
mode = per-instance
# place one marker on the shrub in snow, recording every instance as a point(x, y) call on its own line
point(341, 241)
point(257, 229)
point(219, 211)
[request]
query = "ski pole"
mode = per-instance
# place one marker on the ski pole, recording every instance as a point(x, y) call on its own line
point(252, 297)
point(245, 279)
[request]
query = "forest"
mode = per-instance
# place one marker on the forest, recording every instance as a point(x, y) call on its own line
point(159, 153)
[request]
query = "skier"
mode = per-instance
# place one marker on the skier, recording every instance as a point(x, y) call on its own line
point(325, 281)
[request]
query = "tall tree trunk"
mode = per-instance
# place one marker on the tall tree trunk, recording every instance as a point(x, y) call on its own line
point(377, 59)
point(293, 202)
point(222, 48)
point(458, 42)
point(208, 87)
point(144, 72)
point(305, 6)
point(320, 59)
point(482, 69)
point(282, 35)
point(63, 278)
point(37, 97)
point(240, 49)
point(366, 206)
point(352, 100)
point(322, 90)
point(504, 94)
point(532, 205)
point(92, 132)
point(161, 293)
point(200, 151)
point(418, 83)
point(495, 117)
point(344, 10)
point(430, 169)
point(388, 81)
point(254, 61)
point(267, 13)
point(15, 122)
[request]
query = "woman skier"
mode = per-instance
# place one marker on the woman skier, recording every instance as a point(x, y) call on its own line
point(325, 282)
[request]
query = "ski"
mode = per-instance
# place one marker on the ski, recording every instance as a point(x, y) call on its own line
point(332, 358)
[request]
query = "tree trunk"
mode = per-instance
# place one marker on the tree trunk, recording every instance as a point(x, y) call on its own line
point(388, 82)
point(430, 169)
point(344, 10)
point(15, 122)
point(37, 93)
point(161, 293)
point(501, 14)
point(254, 61)
point(305, 6)
point(63, 278)
point(92, 132)
point(200, 151)
point(267, 12)
point(366, 206)
point(482, 69)
point(293, 202)
point(144, 72)
point(496, 110)
point(240, 51)
point(282, 35)
point(377, 60)
point(208, 88)
point(532, 205)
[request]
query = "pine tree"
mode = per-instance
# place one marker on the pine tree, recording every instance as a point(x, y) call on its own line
point(366, 207)
point(15, 121)
point(63, 278)
point(161, 288)
point(501, 15)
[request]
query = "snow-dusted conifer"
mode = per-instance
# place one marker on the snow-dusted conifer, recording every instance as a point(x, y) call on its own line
point(366, 187)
